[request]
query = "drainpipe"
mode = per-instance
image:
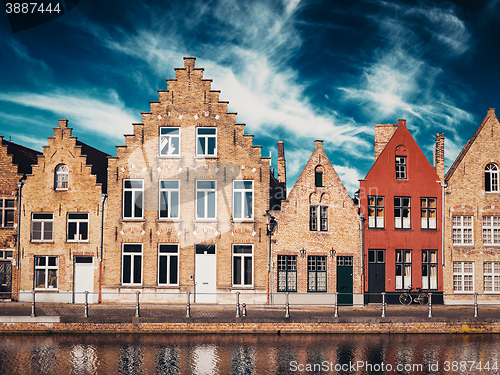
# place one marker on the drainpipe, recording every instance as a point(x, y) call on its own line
point(20, 184)
point(103, 200)
point(443, 186)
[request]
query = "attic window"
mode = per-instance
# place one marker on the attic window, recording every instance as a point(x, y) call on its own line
point(401, 167)
point(491, 178)
point(318, 176)
point(61, 177)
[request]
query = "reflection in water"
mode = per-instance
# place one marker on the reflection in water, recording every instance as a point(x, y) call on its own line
point(248, 354)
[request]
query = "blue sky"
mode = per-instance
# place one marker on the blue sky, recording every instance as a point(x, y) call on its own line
point(293, 70)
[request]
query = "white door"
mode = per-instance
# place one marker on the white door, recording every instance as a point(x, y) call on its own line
point(84, 279)
point(205, 274)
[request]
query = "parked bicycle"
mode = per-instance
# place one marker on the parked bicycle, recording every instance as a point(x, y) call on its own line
point(406, 297)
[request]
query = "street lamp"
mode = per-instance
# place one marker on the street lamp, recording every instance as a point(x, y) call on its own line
point(270, 226)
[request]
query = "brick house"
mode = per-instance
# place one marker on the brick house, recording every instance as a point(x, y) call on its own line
point(317, 241)
point(61, 221)
point(400, 199)
point(187, 194)
point(15, 164)
point(472, 244)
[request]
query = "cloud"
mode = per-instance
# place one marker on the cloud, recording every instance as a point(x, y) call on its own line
point(350, 177)
point(94, 111)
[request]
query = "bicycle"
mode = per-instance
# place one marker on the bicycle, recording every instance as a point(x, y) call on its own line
point(421, 298)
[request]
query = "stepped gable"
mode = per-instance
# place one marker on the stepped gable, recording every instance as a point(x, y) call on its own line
point(22, 157)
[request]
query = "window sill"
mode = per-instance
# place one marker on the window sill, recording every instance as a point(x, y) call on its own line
point(402, 179)
point(170, 156)
point(87, 241)
point(46, 290)
point(159, 286)
point(138, 286)
point(376, 228)
point(404, 229)
point(429, 229)
point(461, 292)
point(238, 221)
point(494, 246)
point(206, 157)
point(51, 241)
point(11, 227)
point(492, 192)
point(168, 220)
point(205, 220)
point(243, 287)
point(463, 244)
point(138, 220)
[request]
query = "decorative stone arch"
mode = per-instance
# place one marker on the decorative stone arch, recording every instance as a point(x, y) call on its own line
point(313, 198)
point(401, 150)
point(325, 198)
point(61, 177)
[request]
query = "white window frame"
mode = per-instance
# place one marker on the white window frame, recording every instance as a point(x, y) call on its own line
point(317, 273)
point(206, 193)
point(318, 218)
point(401, 221)
point(61, 178)
point(132, 255)
point(78, 221)
point(206, 137)
point(134, 191)
point(168, 191)
point(491, 230)
point(403, 281)
point(165, 251)
point(400, 162)
point(491, 271)
point(44, 222)
point(463, 272)
point(46, 269)
point(239, 194)
point(168, 139)
point(426, 211)
point(462, 232)
point(374, 220)
point(429, 260)
point(242, 256)
point(4, 210)
point(491, 170)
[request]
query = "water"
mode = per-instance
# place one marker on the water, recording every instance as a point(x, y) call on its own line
point(249, 354)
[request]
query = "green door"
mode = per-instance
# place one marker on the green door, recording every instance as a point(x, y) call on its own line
point(344, 280)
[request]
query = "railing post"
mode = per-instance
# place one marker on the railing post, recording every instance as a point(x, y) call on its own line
point(475, 305)
point(137, 311)
point(383, 304)
point(33, 312)
point(287, 307)
point(430, 305)
point(244, 312)
point(86, 310)
point(336, 314)
point(188, 305)
point(237, 304)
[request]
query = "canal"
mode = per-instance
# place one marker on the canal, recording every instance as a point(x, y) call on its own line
point(249, 354)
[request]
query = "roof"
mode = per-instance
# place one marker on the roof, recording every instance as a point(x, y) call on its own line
point(22, 156)
point(98, 161)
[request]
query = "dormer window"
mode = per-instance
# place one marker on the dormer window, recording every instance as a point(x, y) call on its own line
point(61, 177)
point(491, 178)
point(318, 176)
point(401, 167)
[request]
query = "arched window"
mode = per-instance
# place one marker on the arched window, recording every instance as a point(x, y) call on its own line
point(61, 177)
point(318, 176)
point(491, 178)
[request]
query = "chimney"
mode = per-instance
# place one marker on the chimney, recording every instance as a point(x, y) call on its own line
point(318, 145)
point(491, 111)
point(63, 123)
point(383, 134)
point(439, 155)
point(281, 163)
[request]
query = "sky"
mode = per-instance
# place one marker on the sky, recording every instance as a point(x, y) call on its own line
point(293, 70)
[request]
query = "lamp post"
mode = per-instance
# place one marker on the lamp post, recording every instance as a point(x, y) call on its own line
point(270, 225)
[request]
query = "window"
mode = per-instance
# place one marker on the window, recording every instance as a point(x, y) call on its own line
point(61, 177)
point(41, 226)
point(205, 199)
point(243, 200)
point(318, 176)
point(242, 265)
point(7, 207)
point(463, 276)
point(6, 254)
point(206, 141)
point(78, 227)
point(169, 199)
point(462, 230)
point(491, 178)
point(46, 269)
point(132, 264)
point(403, 269)
point(428, 213)
point(375, 212)
point(169, 141)
point(429, 269)
point(402, 213)
point(287, 273)
point(316, 273)
point(376, 256)
point(491, 230)
point(313, 218)
point(491, 273)
point(168, 264)
point(401, 167)
point(133, 197)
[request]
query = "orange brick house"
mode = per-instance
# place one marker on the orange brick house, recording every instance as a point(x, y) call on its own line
point(317, 247)
point(61, 221)
point(187, 195)
point(472, 220)
point(15, 164)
